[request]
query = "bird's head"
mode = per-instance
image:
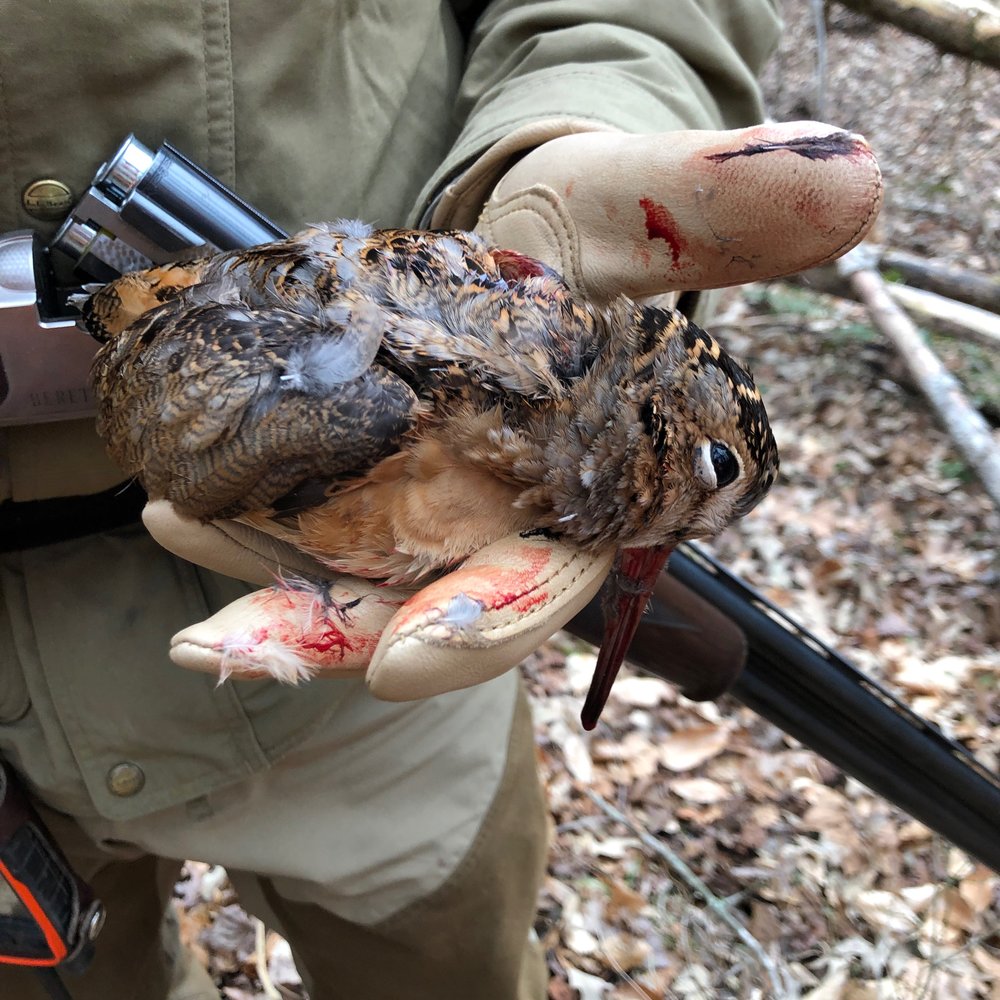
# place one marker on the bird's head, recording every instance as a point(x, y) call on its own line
point(671, 442)
point(704, 430)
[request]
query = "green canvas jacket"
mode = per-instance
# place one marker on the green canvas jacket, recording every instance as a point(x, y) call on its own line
point(311, 111)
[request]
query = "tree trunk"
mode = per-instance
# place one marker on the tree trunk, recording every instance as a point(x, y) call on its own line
point(969, 28)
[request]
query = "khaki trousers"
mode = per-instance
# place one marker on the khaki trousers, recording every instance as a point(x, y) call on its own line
point(466, 939)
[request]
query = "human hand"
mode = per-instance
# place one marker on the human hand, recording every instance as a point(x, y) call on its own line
point(641, 215)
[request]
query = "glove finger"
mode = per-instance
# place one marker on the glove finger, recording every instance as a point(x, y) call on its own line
point(645, 214)
point(291, 632)
point(227, 547)
point(483, 619)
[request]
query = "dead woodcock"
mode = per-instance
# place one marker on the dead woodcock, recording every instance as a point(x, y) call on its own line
point(392, 401)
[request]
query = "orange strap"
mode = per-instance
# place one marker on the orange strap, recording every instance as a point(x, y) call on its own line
point(52, 937)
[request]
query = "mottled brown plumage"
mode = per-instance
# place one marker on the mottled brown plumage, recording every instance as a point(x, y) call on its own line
point(392, 401)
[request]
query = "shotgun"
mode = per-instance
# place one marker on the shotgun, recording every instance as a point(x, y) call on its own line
point(709, 632)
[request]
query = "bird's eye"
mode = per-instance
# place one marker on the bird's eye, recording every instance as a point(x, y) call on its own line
point(725, 463)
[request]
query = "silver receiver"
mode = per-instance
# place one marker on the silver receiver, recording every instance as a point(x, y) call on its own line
point(143, 208)
point(44, 361)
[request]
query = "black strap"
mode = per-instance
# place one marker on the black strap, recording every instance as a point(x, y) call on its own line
point(52, 984)
point(31, 523)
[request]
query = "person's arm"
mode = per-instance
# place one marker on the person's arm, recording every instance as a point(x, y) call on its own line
point(538, 70)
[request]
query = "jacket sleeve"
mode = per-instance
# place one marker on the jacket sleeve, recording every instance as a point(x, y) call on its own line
point(633, 65)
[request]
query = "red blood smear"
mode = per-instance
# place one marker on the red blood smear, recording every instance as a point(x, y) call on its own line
point(330, 638)
point(326, 641)
point(660, 225)
point(515, 266)
point(523, 586)
point(517, 587)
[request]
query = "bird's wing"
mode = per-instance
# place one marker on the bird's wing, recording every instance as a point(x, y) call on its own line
point(455, 303)
point(224, 408)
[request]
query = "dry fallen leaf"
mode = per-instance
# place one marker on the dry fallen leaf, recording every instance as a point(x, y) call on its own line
point(885, 911)
point(832, 986)
point(614, 847)
point(854, 990)
point(989, 963)
point(920, 897)
point(704, 791)
point(625, 951)
point(580, 940)
point(694, 982)
point(687, 748)
point(979, 889)
point(641, 692)
point(942, 676)
point(956, 912)
point(622, 899)
point(634, 750)
point(589, 987)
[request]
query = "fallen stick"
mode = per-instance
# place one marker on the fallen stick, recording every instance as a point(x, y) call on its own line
point(958, 283)
point(948, 316)
point(969, 28)
point(779, 983)
point(967, 428)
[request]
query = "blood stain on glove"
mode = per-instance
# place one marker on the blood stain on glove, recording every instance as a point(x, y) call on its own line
point(660, 225)
point(488, 596)
point(812, 147)
point(306, 630)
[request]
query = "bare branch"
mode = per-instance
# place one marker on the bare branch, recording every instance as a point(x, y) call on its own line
point(969, 28)
point(982, 290)
point(948, 316)
point(967, 428)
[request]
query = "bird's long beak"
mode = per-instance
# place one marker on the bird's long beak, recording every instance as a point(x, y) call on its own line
point(627, 592)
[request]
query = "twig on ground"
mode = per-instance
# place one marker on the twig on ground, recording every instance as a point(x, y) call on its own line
point(780, 983)
point(950, 280)
point(962, 421)
point(948, 316)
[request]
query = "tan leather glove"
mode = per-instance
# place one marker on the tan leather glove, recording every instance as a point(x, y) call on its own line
point(614, 212)
point(522, 589)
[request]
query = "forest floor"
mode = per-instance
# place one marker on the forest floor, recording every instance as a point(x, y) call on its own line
point(880, 541)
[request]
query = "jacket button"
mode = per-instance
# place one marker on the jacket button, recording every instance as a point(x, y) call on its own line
point(125, 779)
point(47, 199)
